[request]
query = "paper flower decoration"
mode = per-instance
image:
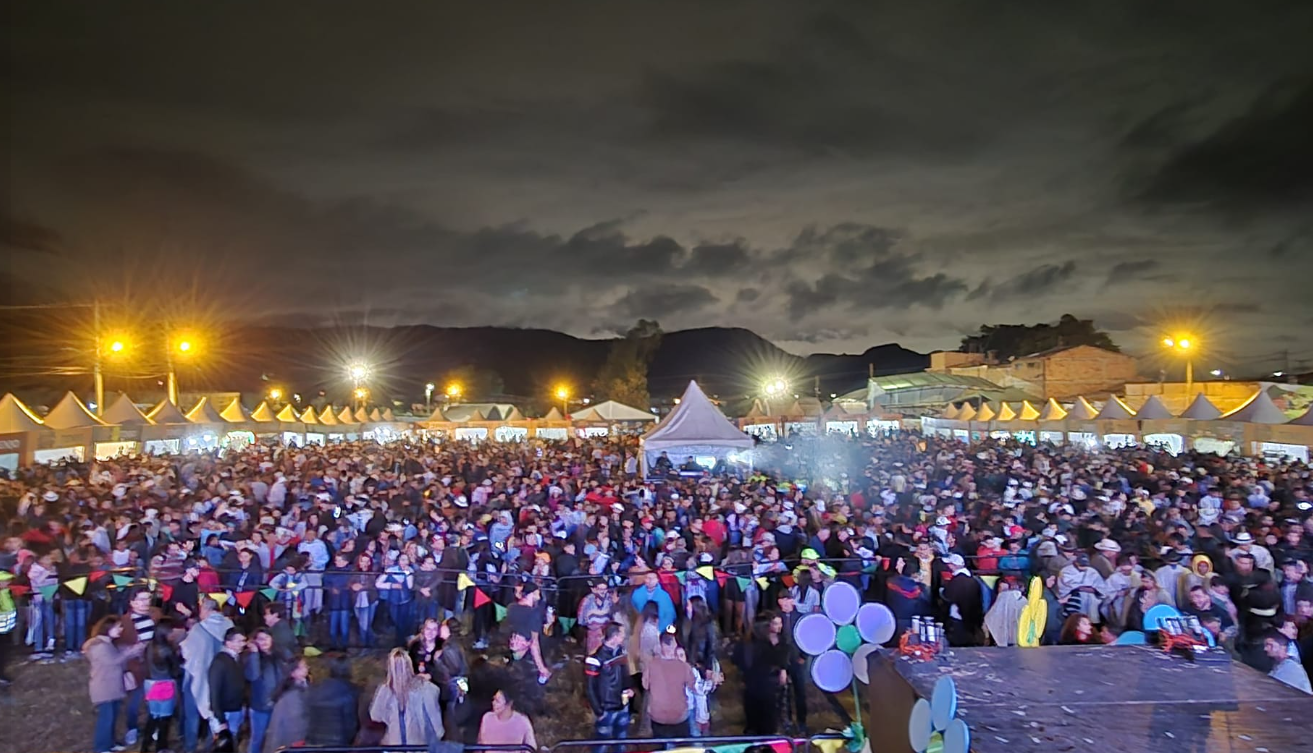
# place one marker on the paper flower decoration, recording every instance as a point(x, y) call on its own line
point(934, 726)
point(1034, 616)
point(842, 635)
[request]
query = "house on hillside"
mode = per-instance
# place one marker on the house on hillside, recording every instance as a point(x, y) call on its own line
point(1061, 373)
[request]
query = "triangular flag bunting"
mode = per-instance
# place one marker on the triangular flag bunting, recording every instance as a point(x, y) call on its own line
point(567, 623)
point(743, 583)
point(152, 583)
point(48, 592)
point(77, 585)
point(480, 598)
point(500, 611)
point(787, 580)
point(463, 582)
point(765, 584)
point(166, 591)
point(122, 581)
point(269, 593)
point(707, 571)
point(682, 575)
point(722, 578)
point(18, 589)
point(220, 597)
point(97, 575)
point(244, 598)
point(312, 652)
point(990, 580)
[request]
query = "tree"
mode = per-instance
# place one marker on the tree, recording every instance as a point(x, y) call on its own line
point(1016, 340)
point(623, 377)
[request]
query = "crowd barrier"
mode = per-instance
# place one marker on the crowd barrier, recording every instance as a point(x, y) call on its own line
point(735, 742)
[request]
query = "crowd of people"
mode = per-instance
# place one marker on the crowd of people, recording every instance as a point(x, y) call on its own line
point(195, 586)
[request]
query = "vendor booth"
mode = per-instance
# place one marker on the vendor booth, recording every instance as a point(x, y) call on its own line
point(696, 428)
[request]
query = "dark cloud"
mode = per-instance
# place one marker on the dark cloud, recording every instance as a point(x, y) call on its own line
point(1039, 281)
point(660, 301)
point(716, 259)
point(747, 295)
point(1131, 271)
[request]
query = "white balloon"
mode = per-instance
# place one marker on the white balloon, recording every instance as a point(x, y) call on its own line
point(957, 738)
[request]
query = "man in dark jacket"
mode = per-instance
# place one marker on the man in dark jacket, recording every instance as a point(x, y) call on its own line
point(334, 705)
point(606, 673)
point(228, 685)
point(965, 603)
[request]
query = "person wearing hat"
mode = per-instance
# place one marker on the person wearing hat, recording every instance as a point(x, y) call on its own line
point(1244, 542)
point(1081, 588)
point(1173, 577)
point(1104, 559)
point(965, 603)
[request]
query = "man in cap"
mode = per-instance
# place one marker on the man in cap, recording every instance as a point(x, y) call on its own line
point(1244, 542)
point(965, 601)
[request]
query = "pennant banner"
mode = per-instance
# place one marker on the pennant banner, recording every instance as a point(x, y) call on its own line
point(722, 578)
point(77, 585)
point(707, 571)
point(97, 575)
point(244, 598)
point(122, 581)
point(220, 597)
point(500, 611)
point(682, 575)
point(463, 582)
point(567, 623)
point(480, 598)
point(48, 592)
point(312, 652)
point(765, 584)
point(744, 583)
point(166, 591)
point(269, 593)
point(787, 580)
point(18, 589)
point(990, 580)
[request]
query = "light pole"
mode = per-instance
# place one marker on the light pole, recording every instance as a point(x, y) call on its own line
point(1185, 347)
point(774, 388)
point(428, 395)
point(179, 347)
point(563, 394)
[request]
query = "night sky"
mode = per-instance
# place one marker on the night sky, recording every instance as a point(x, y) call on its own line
point(832, 176)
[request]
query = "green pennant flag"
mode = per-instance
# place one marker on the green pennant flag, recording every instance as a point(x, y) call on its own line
point(269, 593)
point(122, 581)
point(682, 575)
point(48, 592)
point(744, 583)
point(500, 611)
point(567, 623)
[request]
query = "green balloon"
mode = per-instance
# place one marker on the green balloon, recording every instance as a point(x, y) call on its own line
point(848, 639)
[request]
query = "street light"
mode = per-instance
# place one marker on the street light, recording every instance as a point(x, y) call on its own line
point(180, 346)
point(563, 394)
point(112, 347)
point(1185, 347)
point(275, 394)
point(453, 392)
point(774, 388)
point(358, 372)
point(428, 394)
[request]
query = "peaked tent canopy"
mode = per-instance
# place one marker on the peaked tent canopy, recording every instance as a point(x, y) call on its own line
point(1153, 409)
point(1082, 410)
point(1202, 409)
point(1305, 419)
point(327, 417)
point(234, 413)
point(1028, 412)
point(985, 413)
point(1053, 411)
point(122, 412)
point(1258, 409)
point(1006, 413)
point(553, 415)
point(950, 413)
point(613, 412)
point(308, 416)
point(263, 413)
point(375, 416)
point(695, 427)
point(70, 413)
point(288, 415)
point(1114, 409)
point(345, 416)
point(204, 413)
point(968, 412)
point(361, 416)
point(166, 413)
point(15, 417)
point(388, 415)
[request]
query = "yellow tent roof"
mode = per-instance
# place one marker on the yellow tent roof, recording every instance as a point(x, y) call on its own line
point(985, 413)
point(308, 415)
point(1052, 411)
point(288, 415)
point(1082, 410)
point(122, 411)
point(1028, 412)
point(70, 413)
point(388, 415)
point(1115, 409)
point(375, 416)
point(263, 413)
point(327, 417)
point(1006, 413)
point(950, 412)
point(234, 413)
point(968, 412)
point(345, 416)
point(167, 413)
point(553, 415)
point(204, 413)
point(16, 417)
point(361, 416)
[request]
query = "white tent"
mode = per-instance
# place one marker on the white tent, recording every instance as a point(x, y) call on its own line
point(1114, 409)
point(15, 417)
point(235, 413)
point(123, 412)
point(612, 412)
point(1258, 409)
point(204, 413)
point(263, 413)
point(695, 428)
point(1052, 411)
point(166, 413)
point(1081, 410)
point(1153, 409)
point(1201, 409)
point(70, 413)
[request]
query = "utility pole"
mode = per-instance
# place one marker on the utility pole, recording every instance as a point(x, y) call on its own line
point(96, 370)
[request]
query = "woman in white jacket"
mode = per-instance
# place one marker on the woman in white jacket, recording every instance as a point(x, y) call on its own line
point(408, 705)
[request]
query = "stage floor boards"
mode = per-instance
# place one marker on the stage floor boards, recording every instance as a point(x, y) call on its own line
point(1117, 698)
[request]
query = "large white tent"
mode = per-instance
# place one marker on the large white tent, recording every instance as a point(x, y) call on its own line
point(1153, 410)
point(1201, 409)
point(16, 418)
point(612, 412)
point(70, 413)
point(1258, 409)
point(695, 428)
point(123, 412)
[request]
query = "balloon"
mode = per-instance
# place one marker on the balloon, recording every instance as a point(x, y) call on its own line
point(918, 726)
point(841, 601)
point(1154, 618)
point(943, 703)
point(814, 634)
point(861, 670)
point(876, 623)
point(957, 738)
point(848, 639)
point(832, 671)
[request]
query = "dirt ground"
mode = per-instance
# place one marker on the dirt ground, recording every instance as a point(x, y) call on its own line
point(47, 710)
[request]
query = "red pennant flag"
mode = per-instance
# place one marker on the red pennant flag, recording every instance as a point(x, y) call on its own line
point(166, 591)
point(20, 590)
point(480, 598)
point(97, 575)
point(244, 598)
point(722, 578)
point(788, 581)
point(667, 577)
point(886, 562)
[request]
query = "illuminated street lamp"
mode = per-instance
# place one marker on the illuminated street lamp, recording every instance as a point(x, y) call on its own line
point(1183, 346)
point(358, 372)
point(275, 394)
point(111, 347)
point(563, 394)
point(428, 394)
point(180, 346)
point(774, 388)
point(453, 392)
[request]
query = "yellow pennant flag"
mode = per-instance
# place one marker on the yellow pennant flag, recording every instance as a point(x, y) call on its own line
point(220, 597)
point(990, 580)
point(706, 571)
point(463, 582)
point(154, 584)
point(77, 585)
point(830, 746)
point(312, 652)
point(765, 584)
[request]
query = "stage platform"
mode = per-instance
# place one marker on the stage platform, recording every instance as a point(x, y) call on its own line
point(1129, 699)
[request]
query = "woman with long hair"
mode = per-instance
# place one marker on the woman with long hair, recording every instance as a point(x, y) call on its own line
point(106, 681)
point(1078, 630)
point(289, 724)
point(407, 705)
point(364, 597)
point(426, 649)
point(763, 662)
point(163, 670)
